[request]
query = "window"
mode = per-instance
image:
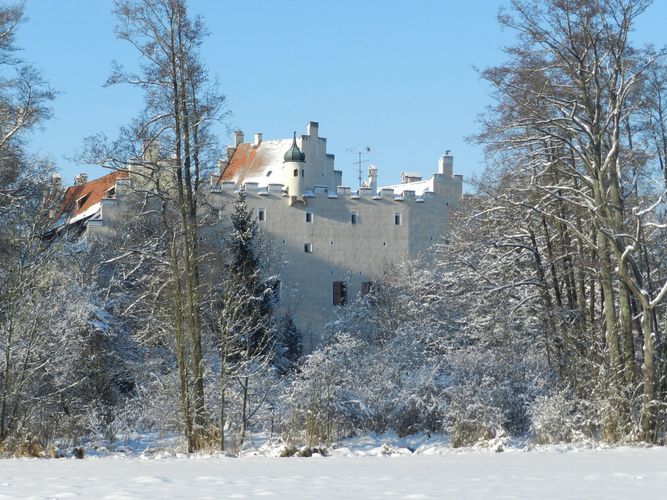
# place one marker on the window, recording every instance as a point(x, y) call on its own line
point(309, 217)
point(354, 217)
point(366, 287)
point(268, 174)
point(82, 201)
point(296, 172)
point(303, 173)
point(274, 293)
point(261, 214)
point(111, 192)
point(397, 218)
point(339, 293)
point(308, 247)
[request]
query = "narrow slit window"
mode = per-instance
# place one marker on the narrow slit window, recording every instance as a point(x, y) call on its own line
point(309, 217)
point(296, 172)
point(366, 287)
point(354, 217)
point(397, 218)
point(261, 214)
point(274, 294)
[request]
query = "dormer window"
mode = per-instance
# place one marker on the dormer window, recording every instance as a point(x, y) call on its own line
point(82, 201)
point(111, 192)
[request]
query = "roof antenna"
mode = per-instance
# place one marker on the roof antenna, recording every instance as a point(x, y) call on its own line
point(360, 151)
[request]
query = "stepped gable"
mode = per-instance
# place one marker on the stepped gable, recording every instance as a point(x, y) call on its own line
point(90, 193)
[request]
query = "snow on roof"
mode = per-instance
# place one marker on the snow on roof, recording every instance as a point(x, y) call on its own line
point(419, 187)
point(261, 164)
point(81, 199)
point(87, 213)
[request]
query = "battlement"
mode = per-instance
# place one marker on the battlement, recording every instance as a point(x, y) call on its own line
point(323, 192)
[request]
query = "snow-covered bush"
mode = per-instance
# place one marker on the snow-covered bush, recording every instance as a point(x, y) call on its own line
point(321, 402)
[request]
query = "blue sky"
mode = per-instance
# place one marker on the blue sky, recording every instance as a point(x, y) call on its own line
point(396, 76)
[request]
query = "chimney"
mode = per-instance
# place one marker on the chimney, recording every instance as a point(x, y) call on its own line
point(312, 129)
point(238, 138)
point(56, 181)
point(82, 178)
point(258, 139)
point(446, 164)
point(373, 179)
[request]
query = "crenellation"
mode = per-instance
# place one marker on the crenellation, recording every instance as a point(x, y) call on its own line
point(322, 192)
point(324, 232)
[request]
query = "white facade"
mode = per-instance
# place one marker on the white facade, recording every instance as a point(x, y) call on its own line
point(332, 234)
point(328, 243)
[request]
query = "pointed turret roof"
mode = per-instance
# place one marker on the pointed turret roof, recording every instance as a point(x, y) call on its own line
point(294, 153)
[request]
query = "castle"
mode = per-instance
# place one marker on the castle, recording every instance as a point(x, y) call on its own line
point(330, 242)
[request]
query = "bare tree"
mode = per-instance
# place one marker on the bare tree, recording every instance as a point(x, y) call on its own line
point(562, 130)
point(169, 151)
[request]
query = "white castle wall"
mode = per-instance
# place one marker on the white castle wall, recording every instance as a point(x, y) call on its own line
point(342, 251)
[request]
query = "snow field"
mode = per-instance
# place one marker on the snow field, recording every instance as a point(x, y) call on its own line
point(546, 473)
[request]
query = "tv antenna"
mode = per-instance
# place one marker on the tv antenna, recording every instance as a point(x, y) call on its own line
point(360, 151)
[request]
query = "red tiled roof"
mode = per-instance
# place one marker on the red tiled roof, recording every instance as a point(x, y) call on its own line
point(241, 164)
point(253, 163)
point(94, 190)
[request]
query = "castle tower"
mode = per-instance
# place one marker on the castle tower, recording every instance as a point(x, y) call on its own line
point(293, 168)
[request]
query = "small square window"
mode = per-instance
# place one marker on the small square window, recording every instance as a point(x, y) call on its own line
point(261, 214)
point(308, 247)
point(354, 217)
point(309, 217)
point(397, 218)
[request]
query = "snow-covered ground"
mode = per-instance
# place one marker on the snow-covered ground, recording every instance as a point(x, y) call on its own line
point(549, 472)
